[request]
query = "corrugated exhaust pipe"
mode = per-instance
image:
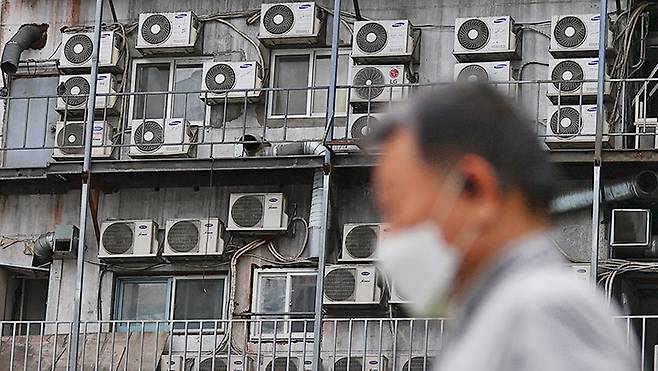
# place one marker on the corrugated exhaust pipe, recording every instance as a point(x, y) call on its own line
point(28, 36)
point(299, 148)
point(250, 145)
point(642, 186)
point(43, 249)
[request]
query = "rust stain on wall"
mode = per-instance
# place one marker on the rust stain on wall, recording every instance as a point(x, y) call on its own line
point(73, 17)
point(57, 214)
point(4, 13)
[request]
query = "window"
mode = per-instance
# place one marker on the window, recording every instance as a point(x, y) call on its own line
point(171, 298)
point(180, 76)
point(297, 288)
point(294, 69)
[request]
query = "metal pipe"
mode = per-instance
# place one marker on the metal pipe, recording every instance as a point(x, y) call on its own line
point(357, 10)
point(598, 143)
point(28, 36)
point(84, 197)
point(326, 181)
point(642, 185)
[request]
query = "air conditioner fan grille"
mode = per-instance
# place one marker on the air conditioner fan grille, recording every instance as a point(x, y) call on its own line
point(220, 365)
point(473, 72)
point(278, 19)
point(371, 37)
point(220, 77)
point(473, 34)
point(149, 136)
point(570, 32)
point(76, 91)
point(340, 284)
point(183, 236)
point(281, 364)
point(566, 123)
point(418, 364)
point(247, 211)
point(567, 76)
point(156, 29)
point(361, 241)
point(362, 126)
point(71, 139)
point(368, 83)
point(78, 49)
point(354, 364)
point(118, 238)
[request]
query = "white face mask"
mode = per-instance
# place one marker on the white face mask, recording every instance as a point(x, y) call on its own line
point(420, 263)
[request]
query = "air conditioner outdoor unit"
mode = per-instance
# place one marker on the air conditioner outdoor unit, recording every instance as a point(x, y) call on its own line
point(257, 212)
point(72, 99)
point(70, 140)
point(491, 72)
point(567, 77)
point(572, 126)
point(168, 33)
point(193, 237)
point(417, 363)
point(289, 23)
point(360, 125)
point(360, 241)
point(382, 41)
point(485, 39)
point(77, 49)
point(230, 81)
point(377, 84)
point(176, 362)
point(575, 35)
point(159, 138)
point(287, 363)
point(128, 239)
point(357, 362)
point(351, 284)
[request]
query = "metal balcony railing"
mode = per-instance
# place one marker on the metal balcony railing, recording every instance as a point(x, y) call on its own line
point(384, 344)
point(281, 122)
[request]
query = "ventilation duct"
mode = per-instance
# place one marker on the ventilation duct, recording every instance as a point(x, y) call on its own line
point(251, 145)
point(299, 148)
point(43, 249)
point(28, 36)
point(315, 215)
point(642, 186)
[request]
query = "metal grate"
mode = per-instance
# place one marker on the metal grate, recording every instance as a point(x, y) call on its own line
point(570, 32)
point(278, 19)
point(156, 29)
point(220, 77)
point(71, 139)
point(361, 241)
point(247, 211)
point(566, 122)
point(339, 284)
point(78, 49)
point(365, 78)
point(149, 136)
point(183, 236)
point(76, 90)
point(372, 37)
point(566, 76)
point(118, 238)
point(473, 34)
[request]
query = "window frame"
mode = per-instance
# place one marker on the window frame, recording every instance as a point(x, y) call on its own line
point(260, 273)
point(173, 63)
point(170, 301)
point(312, 53)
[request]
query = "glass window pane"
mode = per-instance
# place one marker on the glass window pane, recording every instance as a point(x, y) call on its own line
point(321, 75)
point(198, 299)
point(271, 299)
point(290, 71)
point(151, 78)
point(302, 299)
point(141, 300)
point(187, 78)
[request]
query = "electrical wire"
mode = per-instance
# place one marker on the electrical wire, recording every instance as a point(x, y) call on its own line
point(245, 36)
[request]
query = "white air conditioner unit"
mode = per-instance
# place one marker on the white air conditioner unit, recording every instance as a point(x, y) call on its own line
point(572, 126)
point(488, 72)
point(567, 77)
point(361, 363)
point(74, 93)
point(193, 237)
point(417, 363)
point(257, 212)
point(230, 81)
point(70, 140)
point(485, 39)
point(360, 125)
point(377, 84)
point(289, 23)
point(77, 49)
point(176, 362)
point(360, 241)
point(285, 362)
point(128, 239)
point(167, 33)
point(382, 41)
point(351, 284)
point(576, 35)
point(158, 138)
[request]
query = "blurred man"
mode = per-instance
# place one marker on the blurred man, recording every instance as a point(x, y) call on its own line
point(466, 188)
